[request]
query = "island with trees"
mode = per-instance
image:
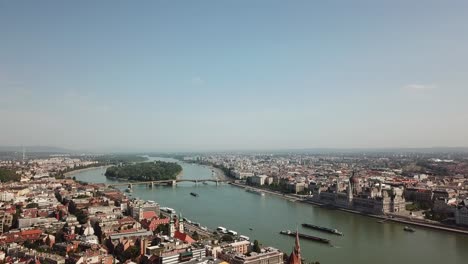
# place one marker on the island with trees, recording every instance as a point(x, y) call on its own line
point(145, 171)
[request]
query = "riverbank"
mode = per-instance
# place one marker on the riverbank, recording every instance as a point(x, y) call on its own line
point(392, 218)
point(282, 195)
point(219, 174)
point(180, 175)
point(71, 173)
point(399, 219)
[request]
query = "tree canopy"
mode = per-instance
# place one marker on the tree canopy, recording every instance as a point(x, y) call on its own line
point(146, 171)
point(8, 175)
point(256, 247)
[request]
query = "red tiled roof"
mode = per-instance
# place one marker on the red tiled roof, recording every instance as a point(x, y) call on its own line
point(149, 214)
point(31, 232)
point(184, 237)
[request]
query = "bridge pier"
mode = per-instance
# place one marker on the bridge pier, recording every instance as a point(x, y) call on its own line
point(151, 185)
point(217, 182)
point(130, 186)
point(174, 183)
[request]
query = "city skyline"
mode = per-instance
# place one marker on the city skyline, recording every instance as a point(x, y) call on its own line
point(205, 76)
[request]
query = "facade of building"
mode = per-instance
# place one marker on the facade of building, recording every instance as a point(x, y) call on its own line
point(419, 195)
point(373, 201)
point(268, 256)
point(6, 220)
point(139, 209)
point(461, 214)
point(258, 180)
point(296, 187)
point(6, 196)
point(241, 247)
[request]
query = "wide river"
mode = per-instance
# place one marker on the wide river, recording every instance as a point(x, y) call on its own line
point(365, 241)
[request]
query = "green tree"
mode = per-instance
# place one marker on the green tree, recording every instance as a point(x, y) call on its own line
point(59, 236)
point(81, 216)
point(195, 235)
point(163, 229)
point(58, 196)
point(47, 241)
point(32, 205)
point(131, 253)
point(16, 216)
point(227, 238)
point(256, 246)
point(145, 171)
point(8, 175)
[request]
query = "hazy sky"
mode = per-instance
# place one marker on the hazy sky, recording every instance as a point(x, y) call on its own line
point(207, 75)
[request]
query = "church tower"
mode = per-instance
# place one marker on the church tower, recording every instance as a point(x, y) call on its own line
point(140, 213)
point(171, 227)
point(181, 223)
point(295, 257)
point(350, 189)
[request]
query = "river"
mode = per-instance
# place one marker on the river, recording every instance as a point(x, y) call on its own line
point(365, 241)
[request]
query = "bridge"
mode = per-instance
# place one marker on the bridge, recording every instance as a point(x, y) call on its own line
point(163, 182)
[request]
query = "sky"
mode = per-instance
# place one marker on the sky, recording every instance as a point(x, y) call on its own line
point(229, 75)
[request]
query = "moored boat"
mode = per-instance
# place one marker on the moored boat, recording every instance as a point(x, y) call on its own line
point(250, 190)
point(408, 229)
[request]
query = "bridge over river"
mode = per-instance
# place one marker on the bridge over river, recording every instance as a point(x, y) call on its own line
point(164, 182)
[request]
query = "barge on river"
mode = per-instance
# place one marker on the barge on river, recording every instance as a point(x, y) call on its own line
point(305, 236)
point(323, 229)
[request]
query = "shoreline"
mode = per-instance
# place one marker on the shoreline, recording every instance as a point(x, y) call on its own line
point(218, 174)
point(71, 173)
point(394, 219)
point(284, 196)
point(180, 174)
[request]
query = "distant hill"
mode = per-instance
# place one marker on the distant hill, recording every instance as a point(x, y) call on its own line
point(46, 149)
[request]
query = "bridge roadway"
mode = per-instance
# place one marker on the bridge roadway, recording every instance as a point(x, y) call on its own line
point(169, 182)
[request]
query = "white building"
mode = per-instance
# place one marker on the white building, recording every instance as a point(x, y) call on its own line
point(6, 196)
point(242, 175)
point(258, 180)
